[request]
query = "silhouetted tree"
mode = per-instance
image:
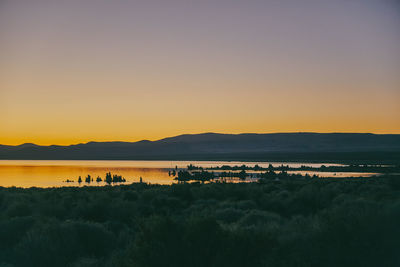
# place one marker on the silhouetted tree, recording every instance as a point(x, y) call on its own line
point(108, 179)
point(270, 167)
point(242, 175)
point(184, 176)
point(118, 179)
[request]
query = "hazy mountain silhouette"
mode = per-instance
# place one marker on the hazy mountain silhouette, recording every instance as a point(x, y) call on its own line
point(220, 146)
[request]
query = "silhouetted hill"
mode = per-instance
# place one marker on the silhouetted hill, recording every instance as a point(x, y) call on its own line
point(279, 146)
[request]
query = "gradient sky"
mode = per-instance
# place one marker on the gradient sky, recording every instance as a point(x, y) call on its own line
point(76, 71)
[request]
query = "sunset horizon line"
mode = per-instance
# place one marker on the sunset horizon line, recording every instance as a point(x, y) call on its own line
point(186, 134)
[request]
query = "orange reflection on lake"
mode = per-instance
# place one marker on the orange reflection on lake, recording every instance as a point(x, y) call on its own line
point(54, 173)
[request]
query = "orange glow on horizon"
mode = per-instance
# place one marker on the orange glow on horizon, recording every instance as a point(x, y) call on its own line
point(152, 71)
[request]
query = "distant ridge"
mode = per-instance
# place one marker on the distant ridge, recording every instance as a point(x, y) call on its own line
point(210, 146)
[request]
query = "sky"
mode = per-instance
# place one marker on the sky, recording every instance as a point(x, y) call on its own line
point(94, 70)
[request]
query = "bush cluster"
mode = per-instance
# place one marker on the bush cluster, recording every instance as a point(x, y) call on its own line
point(315, 222)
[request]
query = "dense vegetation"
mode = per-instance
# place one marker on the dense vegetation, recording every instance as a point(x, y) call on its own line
point(290, 222)
point(220, 173)
point(206, 176)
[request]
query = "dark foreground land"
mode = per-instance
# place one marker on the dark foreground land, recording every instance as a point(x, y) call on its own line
point(293, 222)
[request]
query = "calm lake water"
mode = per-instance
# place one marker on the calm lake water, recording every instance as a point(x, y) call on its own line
point(54, 173)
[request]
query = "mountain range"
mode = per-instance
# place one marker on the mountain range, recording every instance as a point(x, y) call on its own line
point(214, 146)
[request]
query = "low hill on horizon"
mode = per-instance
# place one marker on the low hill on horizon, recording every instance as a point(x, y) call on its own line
point(212, 146)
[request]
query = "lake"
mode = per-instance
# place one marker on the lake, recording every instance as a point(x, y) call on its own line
point(54, 173)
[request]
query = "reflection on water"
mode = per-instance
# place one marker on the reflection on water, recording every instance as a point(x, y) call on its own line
point(54, 175)
point(48, 173)
point(151, 163)
point(334, 174)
